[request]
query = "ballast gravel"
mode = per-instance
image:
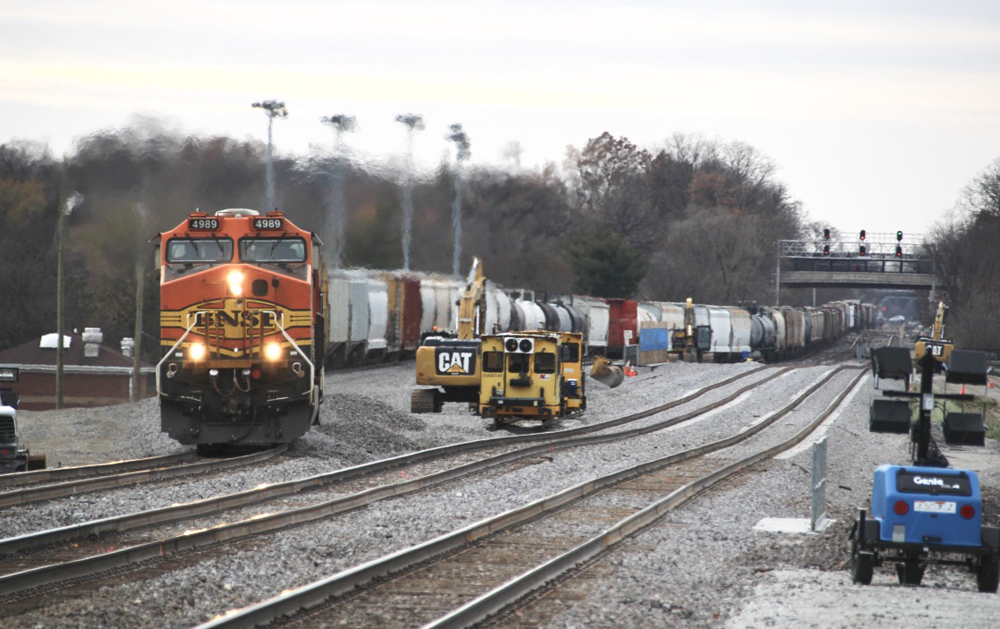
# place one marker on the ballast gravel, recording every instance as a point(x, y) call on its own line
point(704, 566)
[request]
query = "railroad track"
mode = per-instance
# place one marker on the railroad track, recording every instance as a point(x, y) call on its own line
point(374, 474)
point(96, 547)
point(98, 469)
point(157, 468)
point(462, 577)
point(33, 582)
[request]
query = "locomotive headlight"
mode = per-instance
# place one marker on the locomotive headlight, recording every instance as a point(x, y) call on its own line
point(272, 351)
point(196, 351)
point(235, 279)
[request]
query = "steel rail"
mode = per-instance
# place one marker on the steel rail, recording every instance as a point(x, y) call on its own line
point(70, 488)
point(216, 504)
point(79, 471)
point(305, 597)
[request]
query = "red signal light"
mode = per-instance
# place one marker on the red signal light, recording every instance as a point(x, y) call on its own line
point(899, 251)
point(862, 234)
point(861, 250)
point(826, 250)
point(901, 508)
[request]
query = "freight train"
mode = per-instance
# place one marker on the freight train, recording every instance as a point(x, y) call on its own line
point(242, 325)
point(380, 315)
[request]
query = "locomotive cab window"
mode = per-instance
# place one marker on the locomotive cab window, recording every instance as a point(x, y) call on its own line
point(545, 362)
point(185, 255)
point(199, 251)
point(284, 255)
point(279, 250)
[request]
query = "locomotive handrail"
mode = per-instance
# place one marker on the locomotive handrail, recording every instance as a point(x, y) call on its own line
point(159, 391)
point(281, 326)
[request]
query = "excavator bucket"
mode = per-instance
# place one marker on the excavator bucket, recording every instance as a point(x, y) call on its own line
point(604, 372)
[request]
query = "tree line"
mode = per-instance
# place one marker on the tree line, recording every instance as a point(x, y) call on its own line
point(690, 218)
point(967, 263)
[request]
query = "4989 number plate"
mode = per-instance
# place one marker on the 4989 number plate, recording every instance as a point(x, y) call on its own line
point(262, 224)
point(208, 224)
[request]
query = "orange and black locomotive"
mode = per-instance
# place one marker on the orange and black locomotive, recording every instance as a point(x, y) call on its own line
point(242, 299)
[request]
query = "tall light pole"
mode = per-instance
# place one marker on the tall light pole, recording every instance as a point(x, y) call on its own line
point(66, 208)
point(273, 109)
point(462, 146)
point(413, 123)
point(340, 123)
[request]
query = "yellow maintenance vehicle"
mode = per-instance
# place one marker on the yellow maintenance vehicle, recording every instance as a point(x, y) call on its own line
point(532, 375)
point(692, 340)
point(447, 365)
point(939, 348)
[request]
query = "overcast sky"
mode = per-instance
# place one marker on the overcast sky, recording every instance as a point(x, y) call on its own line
point(876, 114)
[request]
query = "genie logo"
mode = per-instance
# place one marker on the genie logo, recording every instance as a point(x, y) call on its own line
point(455, 361)
point(920, 480)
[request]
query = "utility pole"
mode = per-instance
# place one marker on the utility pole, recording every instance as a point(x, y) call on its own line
point(413, 123)
point(273, 109)
point(65, 210)
point(141, 213)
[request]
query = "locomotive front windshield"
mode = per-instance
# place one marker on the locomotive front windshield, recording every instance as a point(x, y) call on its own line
point(277, 250)
point(199, 251)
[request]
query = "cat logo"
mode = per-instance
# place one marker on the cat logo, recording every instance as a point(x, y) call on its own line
point(456, 362)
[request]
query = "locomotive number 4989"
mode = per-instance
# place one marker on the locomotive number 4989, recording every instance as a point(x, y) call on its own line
point(268, 223)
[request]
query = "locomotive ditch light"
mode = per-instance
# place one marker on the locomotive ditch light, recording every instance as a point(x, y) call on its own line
point(272, 352)
point(196, 351)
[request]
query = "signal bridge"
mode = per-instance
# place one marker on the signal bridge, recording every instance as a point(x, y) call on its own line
point(870, 260)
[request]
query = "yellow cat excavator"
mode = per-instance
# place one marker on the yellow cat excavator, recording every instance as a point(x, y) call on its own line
point(447, 365)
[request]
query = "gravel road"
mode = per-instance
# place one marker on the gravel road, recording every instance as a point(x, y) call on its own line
point(704, 566)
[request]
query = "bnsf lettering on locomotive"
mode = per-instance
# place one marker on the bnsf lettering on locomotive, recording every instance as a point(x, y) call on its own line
point(235, 318)
point(454, 362)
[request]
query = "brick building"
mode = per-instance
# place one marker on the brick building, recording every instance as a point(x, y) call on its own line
point(93, 374)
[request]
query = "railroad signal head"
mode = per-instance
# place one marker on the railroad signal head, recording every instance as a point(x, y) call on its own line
point(862, 250)
point(826, 234)
point(899, 251)
point(826, 250)
point(862, 235)
point(899, 235)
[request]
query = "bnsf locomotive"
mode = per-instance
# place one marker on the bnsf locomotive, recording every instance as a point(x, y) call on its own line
point(241, 329)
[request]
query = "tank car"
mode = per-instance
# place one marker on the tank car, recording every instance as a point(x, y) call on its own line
point(242, 325)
